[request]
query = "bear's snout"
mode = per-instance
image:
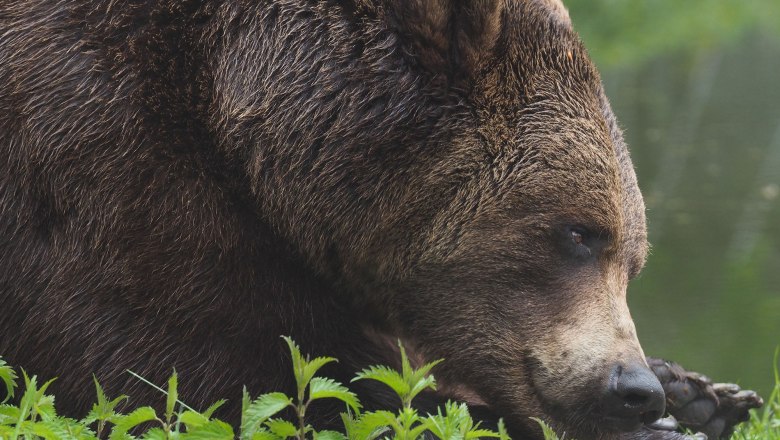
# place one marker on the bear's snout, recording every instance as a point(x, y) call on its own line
point(634, 396)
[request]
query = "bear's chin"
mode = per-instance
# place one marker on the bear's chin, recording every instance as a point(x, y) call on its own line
point(594, 427)
point(579, 420)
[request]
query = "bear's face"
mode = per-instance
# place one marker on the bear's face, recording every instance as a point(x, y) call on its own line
point(522, 288)
point(520, 282)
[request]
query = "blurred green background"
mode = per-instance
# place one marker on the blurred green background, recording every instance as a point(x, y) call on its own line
point(696, 87)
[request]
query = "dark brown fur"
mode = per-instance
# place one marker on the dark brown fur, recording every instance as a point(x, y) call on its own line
point(183, 182)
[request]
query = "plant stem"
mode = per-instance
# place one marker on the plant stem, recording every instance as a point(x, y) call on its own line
point(301, 424)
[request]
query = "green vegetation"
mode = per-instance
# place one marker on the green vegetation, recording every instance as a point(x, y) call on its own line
point(764, 425)
point(35, 417)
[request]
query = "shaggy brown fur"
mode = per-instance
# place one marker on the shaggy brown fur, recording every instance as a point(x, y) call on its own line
point(182, 182)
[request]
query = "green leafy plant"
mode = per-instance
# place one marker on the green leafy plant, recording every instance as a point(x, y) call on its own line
point(547, 431)
point(35, 416)
point(277, 416)
point(764, 425)
point(407, 423)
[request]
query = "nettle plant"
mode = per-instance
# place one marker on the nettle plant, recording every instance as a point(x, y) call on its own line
point(35, 415)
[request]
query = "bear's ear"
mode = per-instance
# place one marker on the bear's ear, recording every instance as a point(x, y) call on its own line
point(451, 37)
point(556, 10)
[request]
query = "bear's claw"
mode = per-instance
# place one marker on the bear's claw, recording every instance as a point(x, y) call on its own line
point(713, 409)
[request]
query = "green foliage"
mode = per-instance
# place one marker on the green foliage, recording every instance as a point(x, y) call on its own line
point(8, 376)
point(549, 433)
point(764, 425)
point(408, 384)
point(258, 412)
point(456, 423)
point(35, 417)
point(104, 410)
point(277, 416)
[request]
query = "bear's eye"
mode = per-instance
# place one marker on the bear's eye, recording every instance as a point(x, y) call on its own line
point(581, 239)
point(576, 236)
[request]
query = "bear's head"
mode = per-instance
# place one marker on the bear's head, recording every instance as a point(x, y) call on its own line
point(454, 170)
point(520, 283)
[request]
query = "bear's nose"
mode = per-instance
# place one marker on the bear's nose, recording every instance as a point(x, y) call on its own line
point(634, 397)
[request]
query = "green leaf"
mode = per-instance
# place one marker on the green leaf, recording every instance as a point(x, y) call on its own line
point(155, 434)
point(548, 432)
point(39, 394)
point(44, 407)
point(282, 428)
point(6, 432)
point(28, 400)
point(416, 380)
point(102, 401)
point(420, 386)
point(419, 379)
point(103, 410)
point(9, 413)
point(456, 423)
point(406, 366)
point(322, 387)
point(482, 433)
point(41, 430)
point(407, 418)
point(439, 426)
point(265, 435)
point(43, 404)
point(418, 430)
point(387, 376)
point(245, 401)
point(298, 362)
point(213, 430)
point(502, 433)
point(27, 406)
point(62, 428)
point(261, 410)
point(125, 423)
point(8, 376)
point(424, 370)
point(192, 419)
point(214, 406)
point(369, 425)
point(329, 435)
point(173, 396)
point(310, 367)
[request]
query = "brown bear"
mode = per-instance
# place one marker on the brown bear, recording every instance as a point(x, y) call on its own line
point(183, 181)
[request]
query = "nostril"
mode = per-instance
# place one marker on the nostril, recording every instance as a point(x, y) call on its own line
point(633, 399)
point(634, 395)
